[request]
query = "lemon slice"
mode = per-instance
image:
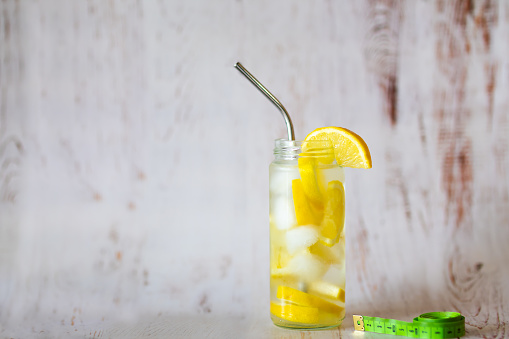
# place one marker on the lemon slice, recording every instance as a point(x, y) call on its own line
point(279, 257)
point(334, 215)
point(308, 174)
point(295, 313)
point(308, 300)
point(277, 273)
point(304, 212)
point(327, 290)
point(330, 255)
point(349, 148)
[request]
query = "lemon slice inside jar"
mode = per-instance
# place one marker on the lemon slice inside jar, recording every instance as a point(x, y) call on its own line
point(334, 215)
point(308, 300)
point(295, 313)
point(305, 212)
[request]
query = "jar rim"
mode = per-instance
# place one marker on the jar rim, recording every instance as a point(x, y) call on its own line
point(294, 148)
point(299, 143)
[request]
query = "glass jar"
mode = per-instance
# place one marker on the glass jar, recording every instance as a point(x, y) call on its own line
point(307, 242)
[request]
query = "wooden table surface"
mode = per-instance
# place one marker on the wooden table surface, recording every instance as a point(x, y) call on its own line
point(134, 160)
point(209, 326)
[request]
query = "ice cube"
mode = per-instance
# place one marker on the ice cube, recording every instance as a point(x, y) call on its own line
point(326, 176)
point(339, 249)
point(300, 238)
point(281, 180)
point(335, 275)
point(282, 213)
point(331, 255)
point(307, 267)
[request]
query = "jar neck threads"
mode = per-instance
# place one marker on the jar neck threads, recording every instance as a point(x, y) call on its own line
point(292, 149)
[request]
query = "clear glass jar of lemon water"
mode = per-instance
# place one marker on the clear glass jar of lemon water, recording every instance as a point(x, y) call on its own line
point(307, 242)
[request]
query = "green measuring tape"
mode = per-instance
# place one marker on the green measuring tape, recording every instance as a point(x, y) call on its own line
point(433, 325)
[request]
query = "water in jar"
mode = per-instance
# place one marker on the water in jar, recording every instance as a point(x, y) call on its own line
point(307, 243)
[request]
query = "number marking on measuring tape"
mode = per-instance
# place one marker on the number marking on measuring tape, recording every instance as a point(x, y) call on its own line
point(433, 325)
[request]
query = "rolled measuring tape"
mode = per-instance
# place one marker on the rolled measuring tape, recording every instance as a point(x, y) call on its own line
point(428, 325)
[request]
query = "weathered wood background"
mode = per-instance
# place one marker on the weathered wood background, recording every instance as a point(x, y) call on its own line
point(134, 160)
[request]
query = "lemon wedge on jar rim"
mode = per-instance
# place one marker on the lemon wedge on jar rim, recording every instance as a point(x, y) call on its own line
point(349, 148)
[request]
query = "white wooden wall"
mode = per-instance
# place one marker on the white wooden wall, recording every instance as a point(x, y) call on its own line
point(134, 160)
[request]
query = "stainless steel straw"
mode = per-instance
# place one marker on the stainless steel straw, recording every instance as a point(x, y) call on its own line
point(275, 101)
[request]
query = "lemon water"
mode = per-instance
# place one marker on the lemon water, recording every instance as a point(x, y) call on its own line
point(307, 243)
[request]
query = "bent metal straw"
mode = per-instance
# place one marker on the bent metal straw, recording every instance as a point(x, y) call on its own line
point(275, 101)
